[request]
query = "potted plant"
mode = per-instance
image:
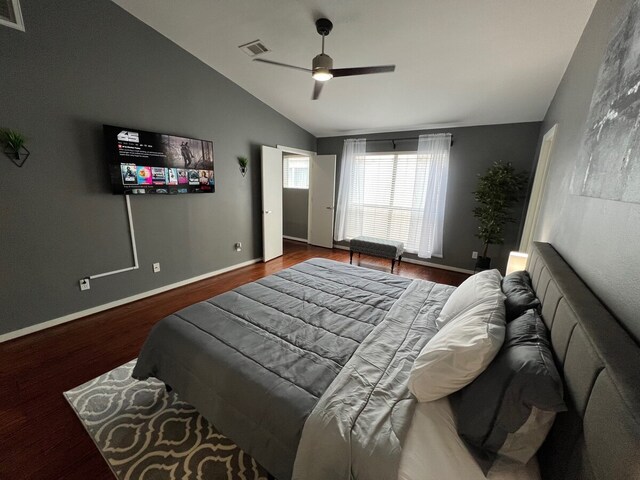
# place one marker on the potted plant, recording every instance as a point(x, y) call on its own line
point(243, 162)
point(14, 146)
point(499, 189)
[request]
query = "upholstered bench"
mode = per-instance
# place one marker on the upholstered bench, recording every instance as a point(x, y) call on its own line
point(378, 248)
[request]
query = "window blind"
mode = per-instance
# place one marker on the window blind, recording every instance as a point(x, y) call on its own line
point(391, 205)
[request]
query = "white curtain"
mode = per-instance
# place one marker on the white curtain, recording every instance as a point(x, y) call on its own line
point(435, 149)
point(351, 189)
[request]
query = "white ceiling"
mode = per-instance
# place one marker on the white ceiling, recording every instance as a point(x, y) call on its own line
point(458, 62)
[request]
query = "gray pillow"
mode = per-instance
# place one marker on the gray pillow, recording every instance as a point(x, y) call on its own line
point(509, 409)
point(519, 293)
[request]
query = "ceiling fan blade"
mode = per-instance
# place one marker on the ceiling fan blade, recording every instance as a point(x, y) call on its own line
point(348, 72)
point(317, 88)
point(282, 64)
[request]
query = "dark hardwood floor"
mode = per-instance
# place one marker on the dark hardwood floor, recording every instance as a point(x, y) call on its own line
point(40, 436)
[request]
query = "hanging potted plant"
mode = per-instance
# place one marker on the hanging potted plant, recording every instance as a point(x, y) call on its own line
point(499, 189)
point(14, 146)
point(243, 162)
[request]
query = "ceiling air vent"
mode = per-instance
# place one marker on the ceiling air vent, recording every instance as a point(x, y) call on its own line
point(10, 14)
point(254, 48)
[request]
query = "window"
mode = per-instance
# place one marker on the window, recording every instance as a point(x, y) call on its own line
point(396, 196)
point(392, 205)
point(295, 171)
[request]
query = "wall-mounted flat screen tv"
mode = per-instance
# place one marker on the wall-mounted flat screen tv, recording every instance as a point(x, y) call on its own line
point(155, 163)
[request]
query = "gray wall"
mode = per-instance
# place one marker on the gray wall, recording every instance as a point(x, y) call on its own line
point(599, 238)
point(295, 213)
point(474, 150)
point(81, 64)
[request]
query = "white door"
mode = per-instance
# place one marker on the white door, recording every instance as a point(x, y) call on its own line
point(271, 203)
point(322, 188)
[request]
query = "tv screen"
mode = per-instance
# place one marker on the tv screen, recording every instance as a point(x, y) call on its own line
point(145, 162)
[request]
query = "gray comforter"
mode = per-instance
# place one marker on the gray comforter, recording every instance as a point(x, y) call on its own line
point(357, 428)
point(256, 360)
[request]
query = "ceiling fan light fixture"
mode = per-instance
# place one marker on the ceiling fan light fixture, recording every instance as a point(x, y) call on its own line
point(322, 74)
point(321, 66)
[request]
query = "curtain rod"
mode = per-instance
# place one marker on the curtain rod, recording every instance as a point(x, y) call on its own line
point(394, 140)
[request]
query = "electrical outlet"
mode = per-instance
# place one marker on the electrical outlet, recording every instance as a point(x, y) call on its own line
point(474, 255)
point(238, 246)
point(84, 284)
point(156, 267)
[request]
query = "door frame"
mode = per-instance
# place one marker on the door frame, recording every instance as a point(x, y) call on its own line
point(306, 153)
point(538, 188)
point(296, 151)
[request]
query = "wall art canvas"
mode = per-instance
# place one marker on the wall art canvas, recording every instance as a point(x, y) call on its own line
point(609, 163)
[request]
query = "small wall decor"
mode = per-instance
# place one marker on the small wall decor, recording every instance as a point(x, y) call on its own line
point(11, 15)
point(609, 165)
point(243, 162)
point(13, 143)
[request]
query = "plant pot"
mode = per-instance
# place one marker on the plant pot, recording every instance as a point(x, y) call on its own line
point(243, 171)
point(17, 156)
point(483, 263)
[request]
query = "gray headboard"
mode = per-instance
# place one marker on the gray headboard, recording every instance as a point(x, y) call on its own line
point(599, 437)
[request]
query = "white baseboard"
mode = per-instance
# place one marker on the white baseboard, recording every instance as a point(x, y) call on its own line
point(116, 303)
point(296, 239)
point(422, 262)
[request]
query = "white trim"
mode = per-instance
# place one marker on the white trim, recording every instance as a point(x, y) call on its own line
point(116, 303)
point(312, 160)
point(19, 25)
point(134, 248)
point(296, 151)
point(537, 190)
point(304, 240)
point(423, 263)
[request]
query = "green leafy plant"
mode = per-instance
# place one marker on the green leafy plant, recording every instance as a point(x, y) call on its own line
point(499, 189)
point(243, 162)
point(12, 139)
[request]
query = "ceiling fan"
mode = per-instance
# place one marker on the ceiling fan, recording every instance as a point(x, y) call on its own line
point(322, 66)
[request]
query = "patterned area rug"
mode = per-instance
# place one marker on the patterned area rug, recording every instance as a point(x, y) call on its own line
point(145, 433)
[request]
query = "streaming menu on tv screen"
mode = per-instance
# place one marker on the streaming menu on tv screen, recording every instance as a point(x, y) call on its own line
point(143, 162)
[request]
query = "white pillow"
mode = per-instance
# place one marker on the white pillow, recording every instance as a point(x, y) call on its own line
point(459, 352)
point(483, 286)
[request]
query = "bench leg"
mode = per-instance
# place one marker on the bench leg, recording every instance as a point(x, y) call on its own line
point(399, 259)
point(350, 257)
point(393, 264)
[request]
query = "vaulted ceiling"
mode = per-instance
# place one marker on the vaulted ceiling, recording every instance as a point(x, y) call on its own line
point(458, 62)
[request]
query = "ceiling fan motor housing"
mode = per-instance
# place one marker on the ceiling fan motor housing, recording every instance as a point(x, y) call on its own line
point(322, 61)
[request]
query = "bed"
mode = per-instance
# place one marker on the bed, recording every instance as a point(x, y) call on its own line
point(326, 340)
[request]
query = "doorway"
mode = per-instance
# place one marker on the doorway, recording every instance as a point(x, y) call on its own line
point(295, 182)
point(537, 190)
point(295, 196)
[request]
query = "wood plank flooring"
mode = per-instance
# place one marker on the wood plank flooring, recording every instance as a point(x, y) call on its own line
point(40, 436)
